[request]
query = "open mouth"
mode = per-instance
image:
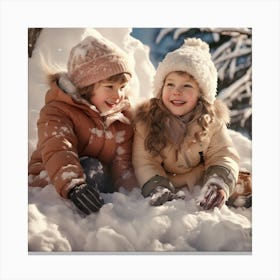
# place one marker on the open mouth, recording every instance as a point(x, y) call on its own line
point(177, 102)
point(111, 103)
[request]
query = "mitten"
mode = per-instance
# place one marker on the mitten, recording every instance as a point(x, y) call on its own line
point(160, 190)
point(213, 193)
point(161, 194)
point(86, 198)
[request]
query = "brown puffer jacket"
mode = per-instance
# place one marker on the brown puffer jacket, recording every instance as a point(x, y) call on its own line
point(68, 130)
point(184, 167)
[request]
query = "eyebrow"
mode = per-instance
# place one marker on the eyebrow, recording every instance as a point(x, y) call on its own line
point(173, 80)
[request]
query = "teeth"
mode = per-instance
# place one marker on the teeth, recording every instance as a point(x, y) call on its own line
point(110, 103)
point(177, 102)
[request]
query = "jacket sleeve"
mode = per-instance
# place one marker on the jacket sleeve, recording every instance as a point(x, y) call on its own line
point(59, 149)
point(222, 158)
point(145, 164)
point(121, 166)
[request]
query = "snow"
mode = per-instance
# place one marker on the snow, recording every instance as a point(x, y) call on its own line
point(175, 226)
point(126, 223)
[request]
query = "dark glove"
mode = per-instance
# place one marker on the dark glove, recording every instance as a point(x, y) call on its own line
point(160, 189)
point(213, 195)
point(86, 198)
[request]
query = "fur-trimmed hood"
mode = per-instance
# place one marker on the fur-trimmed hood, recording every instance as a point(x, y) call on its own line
point(222, 111)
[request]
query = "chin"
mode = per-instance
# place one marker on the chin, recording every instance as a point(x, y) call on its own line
point(177, 114)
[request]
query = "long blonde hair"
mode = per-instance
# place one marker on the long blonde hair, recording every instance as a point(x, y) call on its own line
point(155, 116)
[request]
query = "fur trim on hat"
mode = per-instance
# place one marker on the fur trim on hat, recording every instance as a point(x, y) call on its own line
point(194, 58)
point(95, 59)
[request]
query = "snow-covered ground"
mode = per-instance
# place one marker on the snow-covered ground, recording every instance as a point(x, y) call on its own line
point(126, 223)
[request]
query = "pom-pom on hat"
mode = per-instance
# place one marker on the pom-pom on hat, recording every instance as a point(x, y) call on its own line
point(95, 59)
point(193, 57)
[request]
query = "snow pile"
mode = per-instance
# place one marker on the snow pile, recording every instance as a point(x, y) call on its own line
point(129, 223)
point(126, 223)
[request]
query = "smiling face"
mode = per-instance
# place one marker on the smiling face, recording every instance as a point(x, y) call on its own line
point(107, 94)
point(180, 93)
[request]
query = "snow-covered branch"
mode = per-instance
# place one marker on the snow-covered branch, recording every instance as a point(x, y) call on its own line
point(232, 92)
point(241, 115)
point(229, 31)
point(163, 32)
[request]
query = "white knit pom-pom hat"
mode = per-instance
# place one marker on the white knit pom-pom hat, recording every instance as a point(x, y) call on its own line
point(193, 57)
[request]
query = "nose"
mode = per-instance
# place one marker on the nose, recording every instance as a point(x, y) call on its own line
point(118, 95)
point(178, 90)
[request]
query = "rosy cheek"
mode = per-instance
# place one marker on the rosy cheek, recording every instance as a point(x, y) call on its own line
point(92, 101)
point(192, 97)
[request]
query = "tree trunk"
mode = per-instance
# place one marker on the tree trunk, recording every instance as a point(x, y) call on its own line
point(33, 34)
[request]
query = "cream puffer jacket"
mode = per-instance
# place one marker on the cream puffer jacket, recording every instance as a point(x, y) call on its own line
point(186, 168)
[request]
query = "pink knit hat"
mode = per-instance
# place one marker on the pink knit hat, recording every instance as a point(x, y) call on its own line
point(95, 59)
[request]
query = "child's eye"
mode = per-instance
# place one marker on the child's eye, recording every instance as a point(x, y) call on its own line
point(109, 86)
point(123, 86)
point(187, 86)
point(170, 85)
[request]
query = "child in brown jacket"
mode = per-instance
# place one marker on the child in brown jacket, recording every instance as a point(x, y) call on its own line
point(84, 129)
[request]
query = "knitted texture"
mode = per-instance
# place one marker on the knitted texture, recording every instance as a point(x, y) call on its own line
point(95, 59)
point(193, 57)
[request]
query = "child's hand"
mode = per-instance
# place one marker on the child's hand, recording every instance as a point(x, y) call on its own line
point(160, 195)
point(214, 195)
point(86, 198)
point(160, 190)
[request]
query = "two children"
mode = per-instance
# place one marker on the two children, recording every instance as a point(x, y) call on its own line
point(84, 129)
point(181, 139)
